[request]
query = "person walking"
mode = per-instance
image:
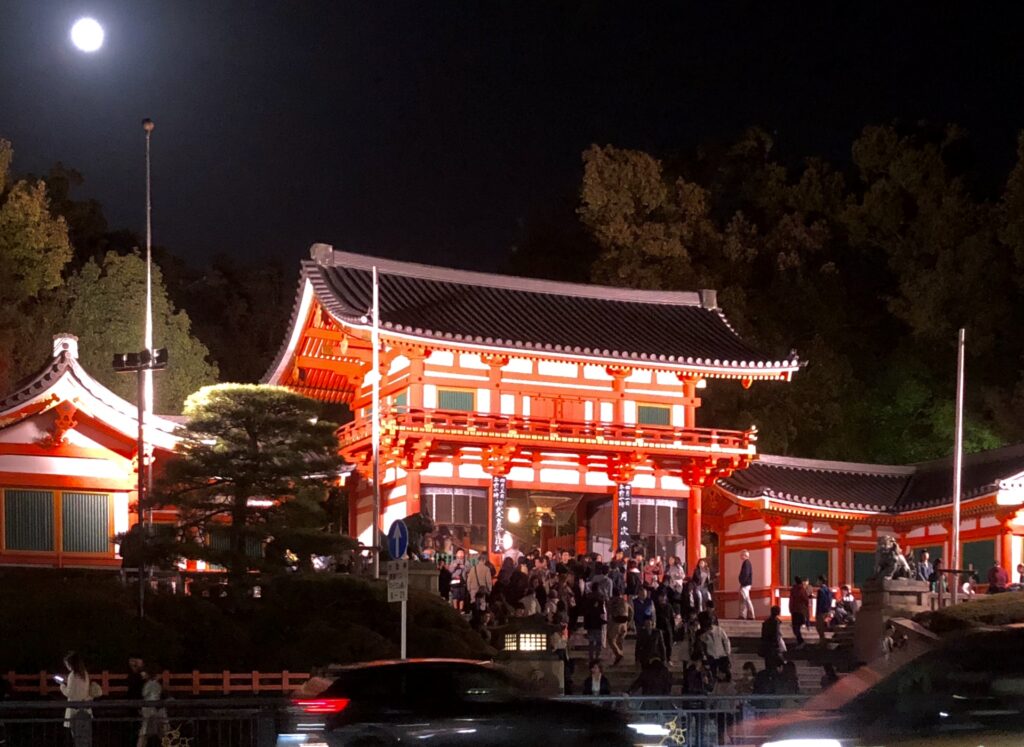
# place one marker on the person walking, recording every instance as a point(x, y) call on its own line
point(595, 617)
point(650, 644)
point(746, 580)
point(664, 620)
point(643, 608)
point(77, 689)
point(654, 680)
point(457, 584)
point(154, 719)
point(773, 646)
point(799, 609)
point(620, 612)
point(822, 609)
point(717, 649)
point(478, 578)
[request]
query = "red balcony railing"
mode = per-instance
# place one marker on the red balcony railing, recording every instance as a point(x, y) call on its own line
point(480, 426)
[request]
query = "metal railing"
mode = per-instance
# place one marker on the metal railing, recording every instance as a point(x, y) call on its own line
point(194, 683)
point(115, 723)
point(695, 721)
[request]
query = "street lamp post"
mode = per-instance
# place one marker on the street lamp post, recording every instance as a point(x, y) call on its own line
point(140, 364)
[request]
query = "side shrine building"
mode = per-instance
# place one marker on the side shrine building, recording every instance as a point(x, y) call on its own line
point(504, 396)
point(68, 466)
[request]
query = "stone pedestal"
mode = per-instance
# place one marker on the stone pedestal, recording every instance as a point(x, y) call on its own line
point(881, 601)
point(423, 576)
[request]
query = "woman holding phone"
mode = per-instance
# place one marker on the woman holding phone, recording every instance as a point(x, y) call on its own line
point(78, 688)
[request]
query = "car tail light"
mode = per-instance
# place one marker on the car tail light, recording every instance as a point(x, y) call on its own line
point(323, 705)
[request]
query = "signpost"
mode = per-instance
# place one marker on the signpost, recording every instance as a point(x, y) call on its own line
point(398, 572)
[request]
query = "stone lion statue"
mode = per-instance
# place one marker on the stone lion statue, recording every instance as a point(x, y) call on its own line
point(419, 525)
point(889, 560)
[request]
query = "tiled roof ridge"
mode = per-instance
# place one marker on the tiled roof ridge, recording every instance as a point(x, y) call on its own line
point(976, 457)
point(30, 385)
point(65, 362)
point(824, 465)
point(326, 256)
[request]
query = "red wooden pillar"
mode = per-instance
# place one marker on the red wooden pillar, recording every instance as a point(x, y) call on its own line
point(581, 528)
point(694, 527)
point(841, 566)
point(776, 554)
point(1006, 545)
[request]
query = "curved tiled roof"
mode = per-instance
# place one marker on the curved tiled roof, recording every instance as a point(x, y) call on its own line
point(679, 329)
point(873, 487)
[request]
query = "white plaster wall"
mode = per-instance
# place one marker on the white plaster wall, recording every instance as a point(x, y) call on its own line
point(645, 481)
point(746, 527)
point(607, 412)
point(629, 414)
point(597, 479)
point(526, 405)
point(678, 416)
point(639, 377)
point(518, 365)
point(508, 404)
point(672, 482)
point(521, 474)
point(39, 465)
point(989, 521)
point(550, 476)
point(556, 368)
point(429, 396)
point(937, 529)
point(438, 469)
point(122, 518)
point(667, 378)
point(859, 531)
point(597, 373)
point(398, 363)
point(472, 360)
point(441, 358)
point(483, 400)
point(588, 411)
point(917, 532)
point(473, 471)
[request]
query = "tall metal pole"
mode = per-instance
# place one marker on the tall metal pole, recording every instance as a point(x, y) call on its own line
point(142, 492)
point(958, 458)
point(375, 374)
point(148, 126)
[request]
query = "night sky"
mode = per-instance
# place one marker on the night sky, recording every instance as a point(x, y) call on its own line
point(437, 130)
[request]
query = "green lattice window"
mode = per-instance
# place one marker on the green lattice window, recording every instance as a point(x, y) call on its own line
point(402, 402)
point(85, 522)
point(982, 553)
point(220, 540)
point(456, 399)
point(808, 564)
point(863, 567)
point(28, 520)
point(653, 415)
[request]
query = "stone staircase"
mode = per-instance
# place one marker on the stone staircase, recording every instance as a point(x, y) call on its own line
point(745, 636)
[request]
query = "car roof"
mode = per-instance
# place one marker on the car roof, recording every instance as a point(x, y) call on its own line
point(361, 665)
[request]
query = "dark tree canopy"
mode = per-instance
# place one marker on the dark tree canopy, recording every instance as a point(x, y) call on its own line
point(252, 465)
point(867, 271)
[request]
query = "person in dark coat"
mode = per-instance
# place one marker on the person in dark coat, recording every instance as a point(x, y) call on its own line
point(654, 679)
point(596, 683)
point(650, 644)
point(799, 608)
point(772, 646)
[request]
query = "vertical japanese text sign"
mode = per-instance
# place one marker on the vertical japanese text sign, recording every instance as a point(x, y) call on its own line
point(625, 502)
point(499, 493)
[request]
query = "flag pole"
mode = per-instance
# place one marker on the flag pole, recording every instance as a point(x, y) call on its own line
point(958, 458)
point(147, 405)
point(375, 374)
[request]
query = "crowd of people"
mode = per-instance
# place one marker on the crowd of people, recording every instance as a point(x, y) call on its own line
point(672, 612)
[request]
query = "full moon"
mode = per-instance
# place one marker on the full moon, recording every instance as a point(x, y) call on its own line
point(87, 34)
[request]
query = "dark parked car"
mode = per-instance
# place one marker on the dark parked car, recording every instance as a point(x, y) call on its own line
point(442, 702)
point(968, 691)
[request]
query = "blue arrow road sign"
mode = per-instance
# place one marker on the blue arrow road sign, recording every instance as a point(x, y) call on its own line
point(398, 539)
